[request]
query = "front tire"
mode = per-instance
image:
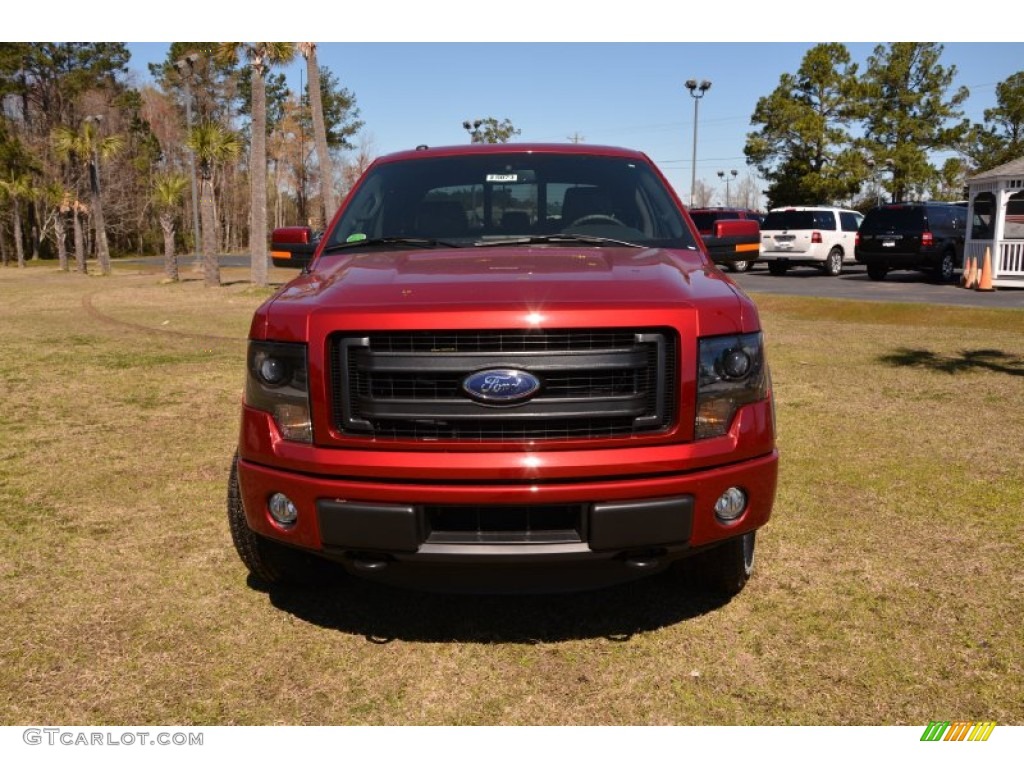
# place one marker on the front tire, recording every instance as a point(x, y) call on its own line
point(739, 266)
point(269, 562)
point(726, 569)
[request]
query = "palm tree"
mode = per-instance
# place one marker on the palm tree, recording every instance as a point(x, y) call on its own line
point(327, 197)
point(261, 56)
point(3, 243)
point(55, 201)
point(85, 146)
point(212, 145)
point(168, 192)
point(18, 188)
point(78, 209)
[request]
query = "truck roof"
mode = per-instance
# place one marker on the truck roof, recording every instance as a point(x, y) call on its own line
point(519, 148)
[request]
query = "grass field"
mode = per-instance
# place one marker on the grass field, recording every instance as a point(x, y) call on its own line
point(888, 588)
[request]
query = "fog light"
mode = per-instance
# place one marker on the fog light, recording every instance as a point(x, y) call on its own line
point(283, 510)
point(730, 505)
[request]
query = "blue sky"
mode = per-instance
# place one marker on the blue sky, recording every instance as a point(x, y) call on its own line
point(612, 73)
point(623, 93)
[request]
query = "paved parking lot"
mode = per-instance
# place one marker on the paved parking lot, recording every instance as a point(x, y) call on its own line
point(854, 283)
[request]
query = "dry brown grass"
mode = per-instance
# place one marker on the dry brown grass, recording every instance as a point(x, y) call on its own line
point(888, 586)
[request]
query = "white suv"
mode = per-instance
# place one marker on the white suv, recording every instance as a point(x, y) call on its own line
point(816, 235)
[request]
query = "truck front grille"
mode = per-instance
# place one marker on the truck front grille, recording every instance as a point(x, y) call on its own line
point(594, 384)
point(501, 524)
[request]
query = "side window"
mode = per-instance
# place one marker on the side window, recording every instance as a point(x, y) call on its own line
point(1013, 224)
point(982, 225)
point(939, 218)
point(849, 221)
point(824, 220)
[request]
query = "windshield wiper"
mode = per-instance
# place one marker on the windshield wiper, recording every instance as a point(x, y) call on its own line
point(415, 242)
point(561, 237)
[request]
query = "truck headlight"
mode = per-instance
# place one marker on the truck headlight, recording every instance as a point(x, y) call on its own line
point(731, 372)
point(277, 383)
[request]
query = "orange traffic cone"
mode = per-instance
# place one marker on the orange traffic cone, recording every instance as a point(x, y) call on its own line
point(970, 272)
point(985, 281)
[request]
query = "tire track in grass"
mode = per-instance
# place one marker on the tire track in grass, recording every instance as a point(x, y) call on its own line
point(91, 310)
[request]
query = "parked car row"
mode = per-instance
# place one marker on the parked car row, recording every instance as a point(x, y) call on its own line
point(925, 236)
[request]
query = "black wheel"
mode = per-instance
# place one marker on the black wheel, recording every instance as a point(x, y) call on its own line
point(268, 561)
point(877, 271)
point(725, 569)
point(739, 266)
point(777, 267)
point(833, 263)
point(947, 268)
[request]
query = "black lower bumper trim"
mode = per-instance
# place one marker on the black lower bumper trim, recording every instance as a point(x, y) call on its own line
point(600, 527)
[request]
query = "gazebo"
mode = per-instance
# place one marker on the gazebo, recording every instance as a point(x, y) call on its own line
point(996, 222)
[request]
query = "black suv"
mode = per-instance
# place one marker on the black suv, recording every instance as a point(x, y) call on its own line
point(925, 236)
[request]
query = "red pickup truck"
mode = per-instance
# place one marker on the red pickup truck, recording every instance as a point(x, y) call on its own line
point(505, 367)
point(732, 235)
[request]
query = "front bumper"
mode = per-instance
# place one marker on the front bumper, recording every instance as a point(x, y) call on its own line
point(605, 531)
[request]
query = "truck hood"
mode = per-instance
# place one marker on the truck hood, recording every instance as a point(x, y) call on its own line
point(498, 279)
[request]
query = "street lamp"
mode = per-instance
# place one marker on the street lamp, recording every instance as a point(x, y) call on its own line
point(186, 68)
point(721, 175)
point(697, 91)
point(475, 137)
point(874, 179)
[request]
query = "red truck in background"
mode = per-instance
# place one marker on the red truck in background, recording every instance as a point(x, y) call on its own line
point(507, 367)
point(732, 235)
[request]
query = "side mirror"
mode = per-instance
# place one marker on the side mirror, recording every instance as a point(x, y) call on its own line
point(292, 247)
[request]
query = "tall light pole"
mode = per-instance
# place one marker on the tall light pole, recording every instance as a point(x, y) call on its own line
point(473, 129)
point(186, 68)
point(721, 175)
point(697, 90)
point(874, 180)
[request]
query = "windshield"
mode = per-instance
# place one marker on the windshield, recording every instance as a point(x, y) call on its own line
point(472, 200)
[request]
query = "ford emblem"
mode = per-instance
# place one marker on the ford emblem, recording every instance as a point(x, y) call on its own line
point(503, 385)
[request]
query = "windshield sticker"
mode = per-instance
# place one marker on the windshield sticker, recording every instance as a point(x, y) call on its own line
point(355, 238)
point(502, 178)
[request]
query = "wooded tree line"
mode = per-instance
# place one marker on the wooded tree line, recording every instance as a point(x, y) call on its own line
point(91, 163)
point(833, 132)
